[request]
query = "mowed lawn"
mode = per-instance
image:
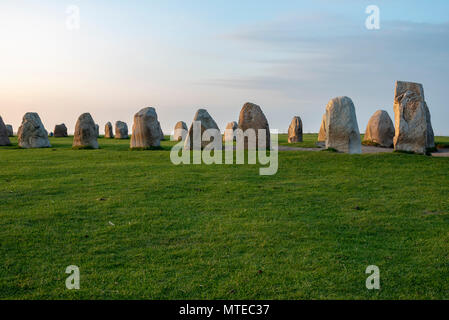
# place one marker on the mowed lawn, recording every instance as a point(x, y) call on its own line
point(139, 227)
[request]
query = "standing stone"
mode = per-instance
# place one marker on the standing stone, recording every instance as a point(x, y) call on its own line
point(121, 130)
point(161, 133)
point(380, 129)
point(85, 133)
point(342, 130)
point(252, 117)
point(207, 122)
point(146, 130)
point(230, 134)
point(295, 130)
point(322, 133)
point(32, 133)
point(4, 134)
point(108, 133)
point(60, 131)
point(414, 132)
point(10, 130)
point(180, 132)
point(97, 130)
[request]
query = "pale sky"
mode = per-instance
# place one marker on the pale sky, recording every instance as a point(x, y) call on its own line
point(290, 57)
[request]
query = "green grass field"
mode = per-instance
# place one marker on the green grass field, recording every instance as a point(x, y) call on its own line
point(139, 227)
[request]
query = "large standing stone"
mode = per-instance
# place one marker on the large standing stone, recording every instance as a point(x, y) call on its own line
point(60, 131)
point(10, 130)
point(161, 133)
point(342, 130)
point(85, 133)
point(146, 130)
point(121, 130)
point(32, 133)
point(380, 129)
point(207, 122)
point(230, 134)
point(322, 133)
point(180, 131)
point(414, 132)
point(295, 130)
point(108, 133)
point(252, 117)
point(4, 134)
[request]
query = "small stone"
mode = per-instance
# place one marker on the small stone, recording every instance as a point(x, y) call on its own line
point(60, 131)
point(121, 130)
point(295, 130)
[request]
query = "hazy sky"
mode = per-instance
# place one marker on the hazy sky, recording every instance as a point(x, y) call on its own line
point(290, 57)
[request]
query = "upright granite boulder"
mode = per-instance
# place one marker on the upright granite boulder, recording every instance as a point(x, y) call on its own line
point(146, 130)
point(380, 130)
point(32, 133)
point(121, 130)
point(60, 131)
point(4, 134)
point(10, 130)
point(85, 133)
point(206, 123)
point(252, 117)
point(180, 131)
point(322, 133)
point(230, 134)
point(108, 133)
point(161, 133)
point(295, 130)
point(342, 130)
point(414, 132)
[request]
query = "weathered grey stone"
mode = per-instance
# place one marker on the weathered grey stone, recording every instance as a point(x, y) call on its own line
point(414, 132)
point(121, 130)
point(32, 133)
point(295, 130)
point(10, 130)
point(380, 129)
point(146, 130)
point(230, 134)
point(97, 130)
point(4, 134)
point(252, 117)
point(207, 122)
point(108, 133)
point(180, 131)
point(60, 131)
point(85, 133)
point(342, 130)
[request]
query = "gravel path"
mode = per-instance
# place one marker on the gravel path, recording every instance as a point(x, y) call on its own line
point(365, 150)
point(441, 153)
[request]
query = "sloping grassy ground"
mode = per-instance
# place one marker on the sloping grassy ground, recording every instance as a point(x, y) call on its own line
point(139, 227)
point(309, 141)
